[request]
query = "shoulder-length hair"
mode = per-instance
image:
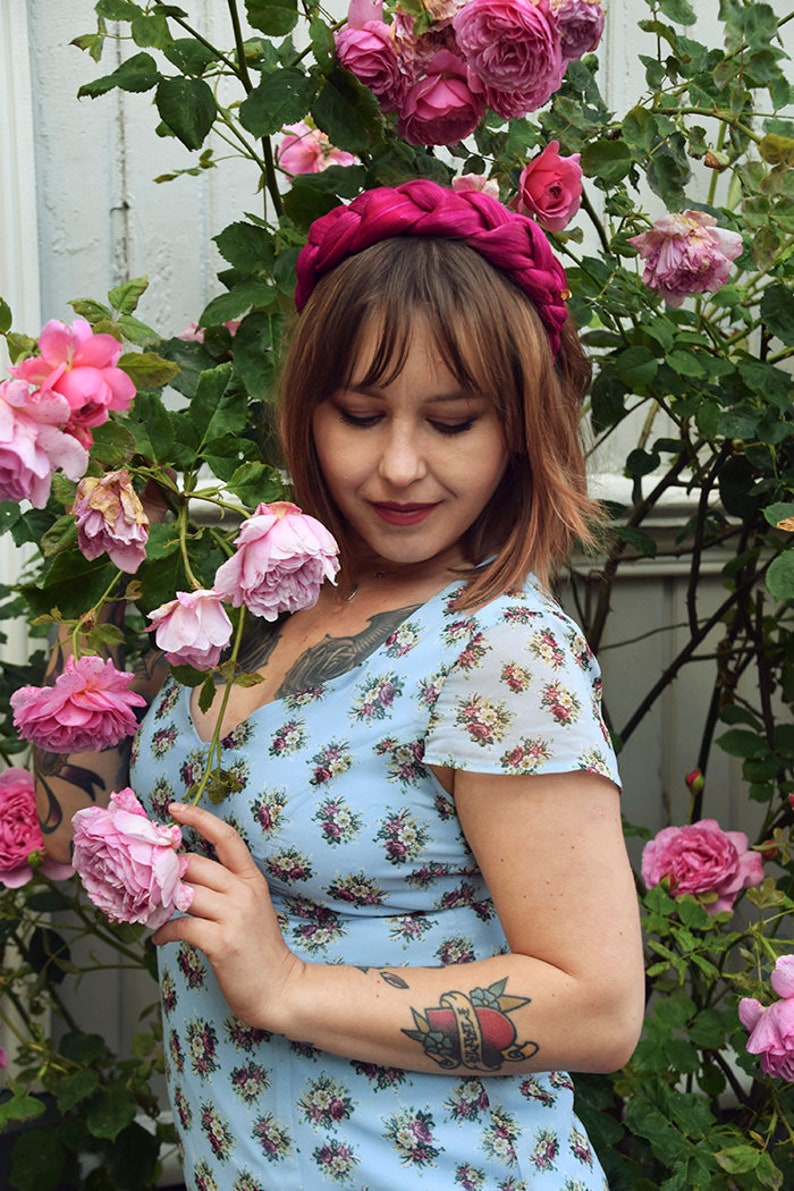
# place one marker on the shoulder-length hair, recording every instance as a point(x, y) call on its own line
point(491, 339)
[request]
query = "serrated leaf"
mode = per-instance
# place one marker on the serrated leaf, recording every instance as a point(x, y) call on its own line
point(138, 73)
point(114, 444)
point(347, 112)
point(608, 160)
point(187, 107)
point(21, 1107)
point(237, 302)
point(780, 577)
point(147, 370)
point(207, 694)
point(110, 1112)
point(739, 743)
point(125, 298)
point(246, 246)
point(273, 17)
point(38, 1160)
point(5, 317)
point(777, 312)
point(73, 1088)
point(282, 97)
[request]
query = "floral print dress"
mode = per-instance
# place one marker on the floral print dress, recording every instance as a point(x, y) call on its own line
point(367, 865)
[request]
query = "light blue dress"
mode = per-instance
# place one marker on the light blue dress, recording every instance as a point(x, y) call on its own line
point(368, 865)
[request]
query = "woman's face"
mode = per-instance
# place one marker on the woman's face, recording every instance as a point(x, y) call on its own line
point(410, 463)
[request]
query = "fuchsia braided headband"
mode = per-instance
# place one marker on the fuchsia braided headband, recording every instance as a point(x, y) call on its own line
point(509, 241)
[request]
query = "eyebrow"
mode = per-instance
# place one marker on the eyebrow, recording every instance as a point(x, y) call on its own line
point(462, 395)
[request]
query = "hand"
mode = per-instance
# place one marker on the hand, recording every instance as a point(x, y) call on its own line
point(232, 920)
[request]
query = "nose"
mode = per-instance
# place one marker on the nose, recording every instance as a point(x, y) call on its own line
point(402, 459)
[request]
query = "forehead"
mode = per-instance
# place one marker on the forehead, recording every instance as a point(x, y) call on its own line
point(392, 341)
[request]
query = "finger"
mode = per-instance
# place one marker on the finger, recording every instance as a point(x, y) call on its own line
point(228, 844)
point(208, 873)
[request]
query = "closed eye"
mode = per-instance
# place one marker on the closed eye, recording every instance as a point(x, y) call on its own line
point(453, 427)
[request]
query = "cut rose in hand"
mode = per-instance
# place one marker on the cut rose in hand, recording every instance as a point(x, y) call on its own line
point(129, 866)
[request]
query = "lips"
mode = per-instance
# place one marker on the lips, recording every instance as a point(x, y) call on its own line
point(402, 514)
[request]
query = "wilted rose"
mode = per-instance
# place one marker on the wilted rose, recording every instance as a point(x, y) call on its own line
point(772, 1027)
point(305, 150)
point(193, 629)
point(80, 366)
point(702, 858)
point(33, 445)
point(368, 52)
point(685, 254)
point(111, 520)
point(514, 48)
point(580, 24)
point(129, 865)
point(282, 559)
point(89, 708)
point(20, 834)
point(444, 106)
point(550, 188)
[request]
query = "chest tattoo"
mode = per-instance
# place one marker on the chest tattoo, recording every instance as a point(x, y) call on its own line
point(328, 658)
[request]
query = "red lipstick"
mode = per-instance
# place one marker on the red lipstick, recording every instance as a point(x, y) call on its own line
point(402, 514)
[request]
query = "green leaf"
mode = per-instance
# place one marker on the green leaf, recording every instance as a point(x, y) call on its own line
point(77, 1086)
point(114, 445)
point(608, 160)
point(636, 367)
point(150, 29)
point(777, 312)
point(739, 1159)
point(273, 17)
point(253, 482)
point(116, 10)
point(237, 302)
point(642, 542)
point(188, 108)
point(60, 536)
point(138, 73)
point(5, 317)
point(189, 56)
point(347, 112)
point(668, 173)
point(640, 130)
point(246, 246)
point(740, 743)
point(110, 1112)
point(218, 407)
point(125, 298)
point(38, 1160)
point(780, 577)
point(782, 511)
point(282, 97)
point(254, 353)
point(679, 11)
point(21, 1107)
point(147, 370)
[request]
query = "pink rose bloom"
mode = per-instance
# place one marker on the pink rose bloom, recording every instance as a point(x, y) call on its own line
point(476, 182)
point(702, 858)
point(193, 333)
point(361, 11)
point(89, 708)
point(305, 150)
point(368, 52)
point(414, 51)
point(686, 254)
point(514, 48)
point(443, 107)
point(283, 557)
point(32, 445)
point(111, 520)
point(81, 367)
point(129, 865)
point(772, 1027)
point(3, 1058)
point(580, 24)
point(20, 834)
point(550, 188)
point(193, 629)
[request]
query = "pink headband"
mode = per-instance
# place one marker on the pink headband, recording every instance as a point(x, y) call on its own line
point(510, 241)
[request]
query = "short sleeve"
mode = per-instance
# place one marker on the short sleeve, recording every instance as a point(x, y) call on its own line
point(523, 696)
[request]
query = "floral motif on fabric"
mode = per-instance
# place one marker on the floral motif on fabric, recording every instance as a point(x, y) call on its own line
point(403, 836)
point(325, 1102)
point(249, 1081)
point(403, 760)
point(272, 1136)
point(357, 889)
point(217, 1131)
point(338, 823)
point(375, 698)
point(288, 739)
point(336, 1160)
point(411, 1133)
point(485, 720)
point(268, 809)
point(331, 761)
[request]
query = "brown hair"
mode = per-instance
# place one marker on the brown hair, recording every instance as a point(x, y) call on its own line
point(492, 341)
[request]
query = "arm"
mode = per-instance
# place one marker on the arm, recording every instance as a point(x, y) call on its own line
point(569, 994)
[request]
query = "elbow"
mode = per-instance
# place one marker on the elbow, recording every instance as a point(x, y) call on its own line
point(616, 1032)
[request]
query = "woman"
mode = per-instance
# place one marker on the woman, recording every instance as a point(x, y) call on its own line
point(416, 913)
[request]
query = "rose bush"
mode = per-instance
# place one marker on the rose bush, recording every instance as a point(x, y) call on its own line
point(691, 335)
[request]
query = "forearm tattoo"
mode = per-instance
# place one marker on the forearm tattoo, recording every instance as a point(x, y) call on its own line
point(472, 1030)
point(328, 658)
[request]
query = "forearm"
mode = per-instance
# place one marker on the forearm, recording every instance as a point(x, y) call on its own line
point(506, 1014)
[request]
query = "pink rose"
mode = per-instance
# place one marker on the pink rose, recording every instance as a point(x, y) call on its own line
point(110, 519)
point(20, 834)
point(476, 182)
point(3, 1058)
point(686, 254)
point(514, 48)
point(580, 24)
point(193, 629)
point(443, 107)
point(772, 1027)
point(550, 188)
point(361, 11)
point(193, 333)
point(368, 52)
point(89, 708)
point(305, 150)
point(32, 445)
point(282, 558)
point(129, 865)
point(81, 367)
point(702, 858)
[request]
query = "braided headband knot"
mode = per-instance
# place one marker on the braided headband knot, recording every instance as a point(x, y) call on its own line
point(506, 239)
